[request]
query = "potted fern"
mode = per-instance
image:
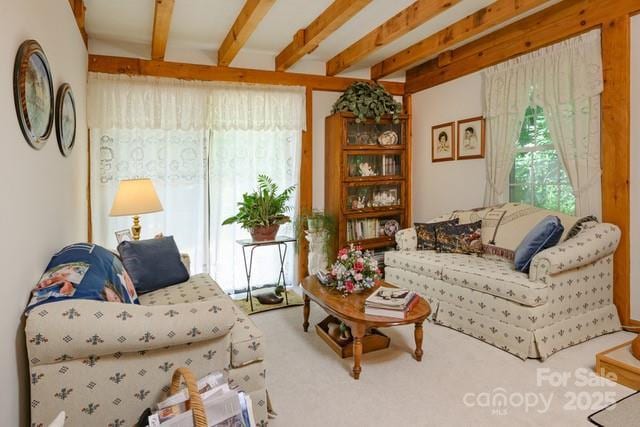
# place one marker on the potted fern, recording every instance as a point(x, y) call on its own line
point(263, 211)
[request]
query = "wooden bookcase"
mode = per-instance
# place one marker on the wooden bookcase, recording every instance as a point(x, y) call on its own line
point(364, 199)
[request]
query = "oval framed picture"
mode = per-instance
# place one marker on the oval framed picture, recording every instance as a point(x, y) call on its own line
point(65, 119)
point(33, 93)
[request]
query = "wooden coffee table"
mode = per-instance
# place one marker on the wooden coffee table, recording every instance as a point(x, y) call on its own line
point(350, 310)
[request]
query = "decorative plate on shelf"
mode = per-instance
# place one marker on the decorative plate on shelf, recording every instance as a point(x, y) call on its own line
point(388, 137)
point(65, 119)
point(391, 227)
point(33, 93)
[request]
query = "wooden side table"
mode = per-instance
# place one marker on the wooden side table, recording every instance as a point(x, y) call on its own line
point(619, 365)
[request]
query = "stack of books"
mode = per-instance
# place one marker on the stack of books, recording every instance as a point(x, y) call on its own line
point(390, 302)
point(223, 405)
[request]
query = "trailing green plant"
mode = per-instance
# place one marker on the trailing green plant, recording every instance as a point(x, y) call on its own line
point(263, 207)
point(368, 101)
point(316, 220)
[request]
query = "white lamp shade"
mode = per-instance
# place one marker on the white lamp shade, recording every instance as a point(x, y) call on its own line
point(135, 197)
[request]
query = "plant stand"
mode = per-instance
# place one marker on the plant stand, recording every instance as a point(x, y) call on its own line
point(281, 243)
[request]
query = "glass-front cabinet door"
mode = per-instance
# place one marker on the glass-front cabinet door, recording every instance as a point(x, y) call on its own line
point(363, 165)
point(369, 134)
point(361, 197)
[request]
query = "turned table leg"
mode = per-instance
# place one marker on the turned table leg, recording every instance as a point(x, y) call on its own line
point(306, 310)
point(357, 354)
point(418, 336)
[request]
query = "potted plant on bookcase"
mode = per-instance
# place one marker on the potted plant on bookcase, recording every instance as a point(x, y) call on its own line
point(263, 211)
point(368, 101)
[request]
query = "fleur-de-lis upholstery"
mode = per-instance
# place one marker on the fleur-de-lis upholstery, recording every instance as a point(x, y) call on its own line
point(566, 298)
point(104, 363)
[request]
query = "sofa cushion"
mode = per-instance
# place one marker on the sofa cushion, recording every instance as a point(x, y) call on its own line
point(153, 263)
point(495, 277)
point(504, 226)
point(247, 342)
point(427, 263)
point(426, 233)
point(544, 235)
point(197, 288)
point(460, 239)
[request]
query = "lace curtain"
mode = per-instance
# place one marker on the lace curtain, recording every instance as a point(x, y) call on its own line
point(203, 144)
point(176, 161)
point(566, 81)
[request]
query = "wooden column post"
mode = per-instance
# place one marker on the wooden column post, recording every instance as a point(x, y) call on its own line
point(408, 109)
point(616, 128)
point(306, 181)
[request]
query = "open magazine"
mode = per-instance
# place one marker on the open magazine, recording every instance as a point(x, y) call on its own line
point(223, 406)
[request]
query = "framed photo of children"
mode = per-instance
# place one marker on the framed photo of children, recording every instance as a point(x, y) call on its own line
point(443, 142)
point(471, 138)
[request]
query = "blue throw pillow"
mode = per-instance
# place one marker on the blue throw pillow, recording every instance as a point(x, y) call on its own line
point(153, 264)
point(544, 235)
point(84, 271)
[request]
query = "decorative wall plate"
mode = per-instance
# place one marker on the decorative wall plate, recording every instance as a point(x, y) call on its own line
point(388, 137)
point(33, 93)
point(65, 119)
point(391, 227)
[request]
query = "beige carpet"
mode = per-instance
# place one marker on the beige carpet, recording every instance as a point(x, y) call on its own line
point(310, 386)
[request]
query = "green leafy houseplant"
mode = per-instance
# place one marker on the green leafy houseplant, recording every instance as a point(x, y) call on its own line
point(263, 211)
point(368, 101)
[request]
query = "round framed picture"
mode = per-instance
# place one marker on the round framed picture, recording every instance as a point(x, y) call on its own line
point(65, 119)
point(33, 93)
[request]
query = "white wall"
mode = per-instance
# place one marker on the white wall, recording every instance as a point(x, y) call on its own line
point(43, 194)
point(445, 186)
point(635, 167)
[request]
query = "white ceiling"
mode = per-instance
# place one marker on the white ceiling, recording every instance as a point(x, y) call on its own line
point(199, 26)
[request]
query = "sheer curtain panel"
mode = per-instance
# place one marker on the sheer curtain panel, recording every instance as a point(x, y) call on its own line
point(203, 145)
point(566, 81)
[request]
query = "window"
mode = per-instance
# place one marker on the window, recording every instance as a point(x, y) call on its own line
point(538, 177)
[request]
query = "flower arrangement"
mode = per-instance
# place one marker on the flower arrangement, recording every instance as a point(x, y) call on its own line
point(354, 270)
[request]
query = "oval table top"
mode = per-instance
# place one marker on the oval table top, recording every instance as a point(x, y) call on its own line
point(351, 307)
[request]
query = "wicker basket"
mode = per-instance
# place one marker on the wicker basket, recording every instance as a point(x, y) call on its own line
point(195, 401)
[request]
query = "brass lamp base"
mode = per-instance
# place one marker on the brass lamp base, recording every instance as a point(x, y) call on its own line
point(136, 228)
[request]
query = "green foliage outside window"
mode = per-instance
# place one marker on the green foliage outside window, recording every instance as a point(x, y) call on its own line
point(538, 177)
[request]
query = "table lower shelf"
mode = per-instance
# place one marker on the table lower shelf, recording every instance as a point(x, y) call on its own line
point(373, 341)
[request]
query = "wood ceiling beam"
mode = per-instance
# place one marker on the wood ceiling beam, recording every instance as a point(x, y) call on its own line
point(460, 31)
point(184, 71)
point(161, 26)
point(245, 24)
point(400, 24)
point(551, 25)
point(306, 40)
point(79, 9)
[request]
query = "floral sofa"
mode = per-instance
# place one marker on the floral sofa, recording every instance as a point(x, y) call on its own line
point(104, 363)
point(566, 298)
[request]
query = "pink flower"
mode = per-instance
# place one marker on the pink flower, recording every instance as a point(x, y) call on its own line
point(348, 286)
point(342, 252)
point(358, 266)
point(358, 277)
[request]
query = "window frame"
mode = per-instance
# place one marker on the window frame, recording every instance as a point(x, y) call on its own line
point(559, 183)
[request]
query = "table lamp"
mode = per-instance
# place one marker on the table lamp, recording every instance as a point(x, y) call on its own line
point(135, 197)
